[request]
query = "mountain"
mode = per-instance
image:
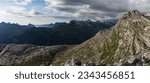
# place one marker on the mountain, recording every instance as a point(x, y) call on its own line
point(31, 25)
point(30, 48)
point(127, 43)
point(9, 32)
point(74, 32)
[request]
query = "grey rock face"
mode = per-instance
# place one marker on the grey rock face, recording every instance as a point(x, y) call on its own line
point(15, 54)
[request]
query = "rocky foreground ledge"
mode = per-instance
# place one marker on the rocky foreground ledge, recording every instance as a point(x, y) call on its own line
point(28, 55)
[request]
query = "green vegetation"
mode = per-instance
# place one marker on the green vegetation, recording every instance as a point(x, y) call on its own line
point(109, 47)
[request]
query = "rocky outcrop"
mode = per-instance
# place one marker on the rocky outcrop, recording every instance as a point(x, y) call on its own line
point(25, 54)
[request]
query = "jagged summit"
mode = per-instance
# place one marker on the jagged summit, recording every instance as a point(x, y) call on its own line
point(130, 37)
point(132, 14)
point(133, 19)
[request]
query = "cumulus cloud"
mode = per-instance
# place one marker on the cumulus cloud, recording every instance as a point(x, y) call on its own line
point(19, 8)
point(21, 11)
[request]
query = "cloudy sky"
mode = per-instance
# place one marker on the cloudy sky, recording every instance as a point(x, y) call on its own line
point(51, 11)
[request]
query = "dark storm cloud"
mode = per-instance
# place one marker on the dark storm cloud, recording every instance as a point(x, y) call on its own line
point(97, 9)
point(67, 9)
point(93, 9)
point(101, 5)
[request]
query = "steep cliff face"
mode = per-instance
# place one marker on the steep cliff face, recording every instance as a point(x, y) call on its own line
point(126, 42)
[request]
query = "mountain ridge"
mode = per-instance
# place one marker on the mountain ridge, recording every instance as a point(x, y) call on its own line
point(128, 39)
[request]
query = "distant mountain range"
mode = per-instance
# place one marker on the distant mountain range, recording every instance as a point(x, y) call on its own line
point(74, 32)
point(9, 32)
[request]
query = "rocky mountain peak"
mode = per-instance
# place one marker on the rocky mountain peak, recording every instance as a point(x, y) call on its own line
point(129, 38)
point(127, 43)
point(132, 14)
point(133, 19)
